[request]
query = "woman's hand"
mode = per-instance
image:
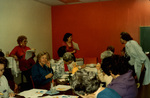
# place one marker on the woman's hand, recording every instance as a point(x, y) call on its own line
point(49, 75)
point(98, 66)
point(11, 94)
point(48, 64)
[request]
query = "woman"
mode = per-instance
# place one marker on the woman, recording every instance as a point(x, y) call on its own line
point(19, 54)
point(87, 85)
point(123, 82)
point(138, 59)
point(42, 72)
point(71, 46)
point(5, 90)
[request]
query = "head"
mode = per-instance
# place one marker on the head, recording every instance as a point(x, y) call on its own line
point(124, 37)
point(68, 58)
point(85, 82)
point(67, 37)
point(22, 40)
point(115, 65)
point(111, 48)
point(61, 51)
point(42, 58)
point(1, 54)
point(3, 63)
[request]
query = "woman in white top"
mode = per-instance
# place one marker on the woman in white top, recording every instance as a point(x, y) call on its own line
point(5, 90)
point(137, 57)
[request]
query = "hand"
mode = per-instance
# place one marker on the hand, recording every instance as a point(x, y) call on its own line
point(74, 64)
point(16, 88)
point(98, 66)
point(11, 94)
point(49, 75)
point(48, 64)
point(15, 57)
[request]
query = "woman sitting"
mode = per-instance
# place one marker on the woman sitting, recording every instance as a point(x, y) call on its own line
point(123, 82)
point(42, 72)
point(87, 85)
point(5, 90)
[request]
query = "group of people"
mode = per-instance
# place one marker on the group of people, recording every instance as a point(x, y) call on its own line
point(116, 71)
point(38, 74)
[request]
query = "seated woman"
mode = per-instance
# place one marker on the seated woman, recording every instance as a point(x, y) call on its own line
point(8, 74)
point(64, 63)
point(123, 82)
point(42, 72)
point(87, 85)
point(5, 90)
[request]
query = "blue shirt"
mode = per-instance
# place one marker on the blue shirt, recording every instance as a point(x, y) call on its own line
point(108, 93)
point(39, 73)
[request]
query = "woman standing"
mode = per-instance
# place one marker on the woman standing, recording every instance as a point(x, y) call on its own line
point(42, 72)
point(138, 59)
point(19, 54)
point(71, 46)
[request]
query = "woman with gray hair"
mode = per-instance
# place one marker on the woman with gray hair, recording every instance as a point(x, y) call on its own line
point(42, 72)
point(87, 84)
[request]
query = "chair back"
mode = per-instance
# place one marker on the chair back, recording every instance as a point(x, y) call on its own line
point(90, 60)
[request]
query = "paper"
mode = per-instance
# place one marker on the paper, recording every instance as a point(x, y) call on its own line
point(63, 87)
point(61, 96)
point(29, 54)
point(33, 93)
point(75, 46)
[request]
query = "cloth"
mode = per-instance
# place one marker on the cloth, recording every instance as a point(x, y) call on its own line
point(66, 67)
point(20, 53)
point(68, 48)
point(124, 85)
point(4, 87)
point(137, 58)
point(108, 93)
point(39, 73)
point(104, 78)
point(10, 78)
point(60, 70)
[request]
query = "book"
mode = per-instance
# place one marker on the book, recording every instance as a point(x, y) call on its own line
point(29, 54)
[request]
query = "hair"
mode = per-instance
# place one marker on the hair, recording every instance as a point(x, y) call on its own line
point(4, 61)
point(41, 54)
point(66, 36)
point(111, 48)
point(21, 38)
point(85, 82)
point(126, 36)
point(68, 57)
point(61, 51)
point(1, 54)
point(116, 64)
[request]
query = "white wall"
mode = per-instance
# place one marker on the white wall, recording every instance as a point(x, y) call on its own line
point(25, 17)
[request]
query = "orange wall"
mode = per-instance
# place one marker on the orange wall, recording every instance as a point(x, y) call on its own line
point(96, 25)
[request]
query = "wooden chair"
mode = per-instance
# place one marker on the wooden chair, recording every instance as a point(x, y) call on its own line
point(32, 82)
point(90, 60)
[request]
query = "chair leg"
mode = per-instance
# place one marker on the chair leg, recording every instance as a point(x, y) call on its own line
point(21, 77)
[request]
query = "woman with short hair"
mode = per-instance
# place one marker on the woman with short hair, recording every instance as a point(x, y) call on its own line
point(42, 72)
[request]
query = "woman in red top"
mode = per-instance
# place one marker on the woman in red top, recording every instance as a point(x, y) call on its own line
point(19, 54)
point(69, 44)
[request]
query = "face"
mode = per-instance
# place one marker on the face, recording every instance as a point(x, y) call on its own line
point(43, 60)
point(1, 69)
point(70, 39)
point(24, 42)
point(122, 41)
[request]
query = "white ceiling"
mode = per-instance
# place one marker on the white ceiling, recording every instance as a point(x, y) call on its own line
point(58, 2)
